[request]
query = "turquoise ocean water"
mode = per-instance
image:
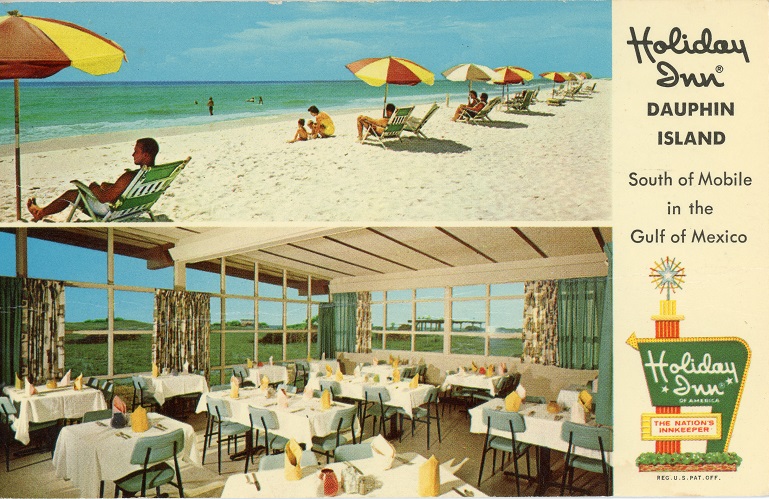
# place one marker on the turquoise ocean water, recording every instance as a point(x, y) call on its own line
point(53, 110)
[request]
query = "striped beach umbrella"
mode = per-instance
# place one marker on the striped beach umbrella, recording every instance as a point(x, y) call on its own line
point(36, 47)
point(558, 77)
point(585, 75)
point(511, 75)
point(378, 71)
point(469, 73)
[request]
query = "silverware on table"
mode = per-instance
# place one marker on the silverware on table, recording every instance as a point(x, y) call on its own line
point(458, 491)
point(256, 481)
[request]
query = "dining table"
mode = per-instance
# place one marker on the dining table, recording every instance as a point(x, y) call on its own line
point(401, 394)
point(302, 419)
point(167, 386)
point(400, 480)
point(543, 429)
point(51, 404)
point(275, 373)
point(319, 366)
point(472, 380)
point(382, 370)
point(89, 454)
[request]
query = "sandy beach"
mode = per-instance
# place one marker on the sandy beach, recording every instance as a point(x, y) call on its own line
point(550, 164)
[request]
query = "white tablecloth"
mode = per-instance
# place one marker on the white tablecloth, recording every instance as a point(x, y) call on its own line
point(472, 380)
point(569, 396)
point(383, 370)
point(319, 366)
point(399, 481)
point(88, 453)
point(52, 404)
point(400, 394)
point(167, 386)
point(541, 427)
point(302, 420)
point(274, 374)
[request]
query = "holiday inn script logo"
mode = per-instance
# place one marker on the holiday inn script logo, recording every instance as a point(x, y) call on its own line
point(701, 372)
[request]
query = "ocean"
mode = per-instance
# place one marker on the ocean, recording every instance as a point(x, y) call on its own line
point(55, 109)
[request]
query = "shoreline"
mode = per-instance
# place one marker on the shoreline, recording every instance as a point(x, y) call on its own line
point(550, 164)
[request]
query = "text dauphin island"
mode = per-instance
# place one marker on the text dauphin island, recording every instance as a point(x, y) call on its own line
point(678, 43)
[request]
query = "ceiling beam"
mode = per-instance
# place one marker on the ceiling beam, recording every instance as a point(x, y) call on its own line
point(227, 241)
point(466, 244)
point(416, 250)
point(529, 242)
point(599, 237)
point(324, 255)
point(369, 253)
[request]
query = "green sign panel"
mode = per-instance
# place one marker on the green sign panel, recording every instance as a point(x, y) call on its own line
point(697, 372)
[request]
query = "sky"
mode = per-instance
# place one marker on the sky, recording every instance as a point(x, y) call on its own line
point(300, 41)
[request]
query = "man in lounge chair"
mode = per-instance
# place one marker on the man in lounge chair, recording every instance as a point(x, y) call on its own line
point(379, 124)
point(471, 110)
point(144, 154)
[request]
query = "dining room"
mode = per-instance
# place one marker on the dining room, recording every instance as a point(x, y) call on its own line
point(259, 356)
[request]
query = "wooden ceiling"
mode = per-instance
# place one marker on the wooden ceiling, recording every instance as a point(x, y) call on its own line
point(329, 253)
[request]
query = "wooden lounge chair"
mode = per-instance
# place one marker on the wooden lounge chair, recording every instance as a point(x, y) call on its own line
point(482, 115)
point(138, 198)
point(393, 129)
point(521, 104)
point(414, 125)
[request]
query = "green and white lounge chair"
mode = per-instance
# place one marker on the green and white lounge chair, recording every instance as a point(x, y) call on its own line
point(414, 125)
point(482, 115)
point(521, 104)
point(393, 129)
point(138, 198)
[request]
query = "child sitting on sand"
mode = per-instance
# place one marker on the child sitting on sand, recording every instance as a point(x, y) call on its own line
point(301, 132)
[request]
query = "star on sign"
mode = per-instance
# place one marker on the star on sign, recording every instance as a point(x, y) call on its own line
point(728, 381)
point(664, 389)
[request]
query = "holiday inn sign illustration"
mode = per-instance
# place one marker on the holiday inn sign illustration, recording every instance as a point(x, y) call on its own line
point(698, 372)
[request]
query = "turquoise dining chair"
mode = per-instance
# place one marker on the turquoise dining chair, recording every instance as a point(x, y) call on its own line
point(264, 420)
point(344, 422)
point(219, 425)
point(352, 452)
point(598, 438)
point(505, 421)
point(151, 453)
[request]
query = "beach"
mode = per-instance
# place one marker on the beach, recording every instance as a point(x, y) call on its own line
point(550, 164)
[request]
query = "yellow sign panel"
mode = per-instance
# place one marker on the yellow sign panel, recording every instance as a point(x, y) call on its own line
point(685, 426)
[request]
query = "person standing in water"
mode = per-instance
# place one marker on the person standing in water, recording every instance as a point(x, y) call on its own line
point(211, 106)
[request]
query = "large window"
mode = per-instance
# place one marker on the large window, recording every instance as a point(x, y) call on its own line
point(477, 319)
point(7, 254)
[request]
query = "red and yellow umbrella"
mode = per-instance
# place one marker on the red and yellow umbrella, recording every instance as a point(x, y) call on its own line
point(558, 76)
point(511, 75)
point(378, 71)
point(36, 47)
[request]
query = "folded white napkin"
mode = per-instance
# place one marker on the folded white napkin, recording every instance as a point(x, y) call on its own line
point(29, 388)
point(282, 399)
point(323, 356)
point(521, 391)
point(65, 381)
point(270, 359)
point(186, 367)
point(383, 452)
point(308, 393)
point(356, 371)
point(578, 414)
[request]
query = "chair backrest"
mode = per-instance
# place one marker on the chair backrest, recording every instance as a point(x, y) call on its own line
point(409, 372)
point(139, 383)
point(240, 371)
point(145, 189)
point(589, 437)
point(397, 122)
point(93, 382)
point(431, 396)
point(332, 386)
point(527, 100)
point(344, 419)
point(7, 407)
point(504, 420)
point(288, 388)
point(263, 418)
point(158, 448)
point(488, 107)
point(97, 415)
point(217, 408)
point(426, 117)
point(512, 381)
point(276, 461)
point(352, 452)
point(219, 388)
point(376, 394)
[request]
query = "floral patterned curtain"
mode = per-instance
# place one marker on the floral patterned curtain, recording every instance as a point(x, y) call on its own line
point(363, 326)
point(182, 330)
point(540, 321)
point(42, 330)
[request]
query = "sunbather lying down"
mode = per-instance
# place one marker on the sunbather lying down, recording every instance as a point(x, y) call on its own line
point(378, 124)
point(144, 154)
point(471, 110)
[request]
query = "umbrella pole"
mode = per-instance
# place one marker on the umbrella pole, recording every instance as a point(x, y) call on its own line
point(384, 107)
point(18, 148)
